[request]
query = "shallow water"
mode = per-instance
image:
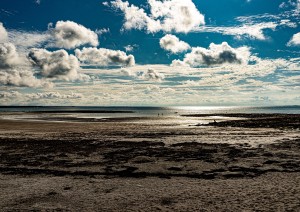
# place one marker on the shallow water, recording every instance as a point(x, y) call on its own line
point(167, 115)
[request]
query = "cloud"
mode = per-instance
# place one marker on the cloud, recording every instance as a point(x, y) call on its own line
point(26, 98)
point(294, 3)
point(12, 72)
point(288, 23)
point(3, 33)
point(70, 35)
point(177, 15)
point(66, 34)
point(178, 63)
point(102, 31)
point(291, 80)
point(9, 94)
point(128, 73)
point(135, 17)
point(131, 48)
point(104, 57)
point(194, 86)
point(173, 44)
point(53, 95)
point(22, 78)
point(252, 26)
point(8, 56)
point(215, 55)
point(252, 31)
point(165, 15)
point(295, 40)
point(128, 48)
point(58, 64)
point(24, 40)
point(153, 75)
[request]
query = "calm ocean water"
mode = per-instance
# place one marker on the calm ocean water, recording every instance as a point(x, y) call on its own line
point(169, 114)
point(146, 111)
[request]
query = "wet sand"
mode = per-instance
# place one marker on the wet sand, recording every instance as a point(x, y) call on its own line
point(247, 164)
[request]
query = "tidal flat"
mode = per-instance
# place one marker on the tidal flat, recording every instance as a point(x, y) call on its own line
point(247, 162)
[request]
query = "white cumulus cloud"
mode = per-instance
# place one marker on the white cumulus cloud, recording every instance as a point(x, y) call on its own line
point(66, 34)
point(173, 44)
point(152, 75)
point(128, 73)
point(295, 40)
point(215, 55)
point(22, 78)
point(165, 15)
point(58, 64)
point(69, 35)
point(104, 57)
point(8, 56)
point(12, 72)
point(3, 33)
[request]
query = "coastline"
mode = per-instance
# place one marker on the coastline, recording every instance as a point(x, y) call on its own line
point(170, 167)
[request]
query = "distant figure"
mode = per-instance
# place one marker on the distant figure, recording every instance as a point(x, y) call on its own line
point(158, 114)
point(162, 114)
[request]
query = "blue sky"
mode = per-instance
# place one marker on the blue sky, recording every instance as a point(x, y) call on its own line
point(152, 52)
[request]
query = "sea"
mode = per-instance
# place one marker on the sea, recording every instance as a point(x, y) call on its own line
point(94, 112)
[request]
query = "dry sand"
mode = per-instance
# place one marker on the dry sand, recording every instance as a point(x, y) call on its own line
point(270, 192)
point(122, 165)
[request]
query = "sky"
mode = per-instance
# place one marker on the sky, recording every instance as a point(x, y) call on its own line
point(150, 52)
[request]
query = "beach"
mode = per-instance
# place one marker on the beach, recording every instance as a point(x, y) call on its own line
point(154, 105)
point(244, 162)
